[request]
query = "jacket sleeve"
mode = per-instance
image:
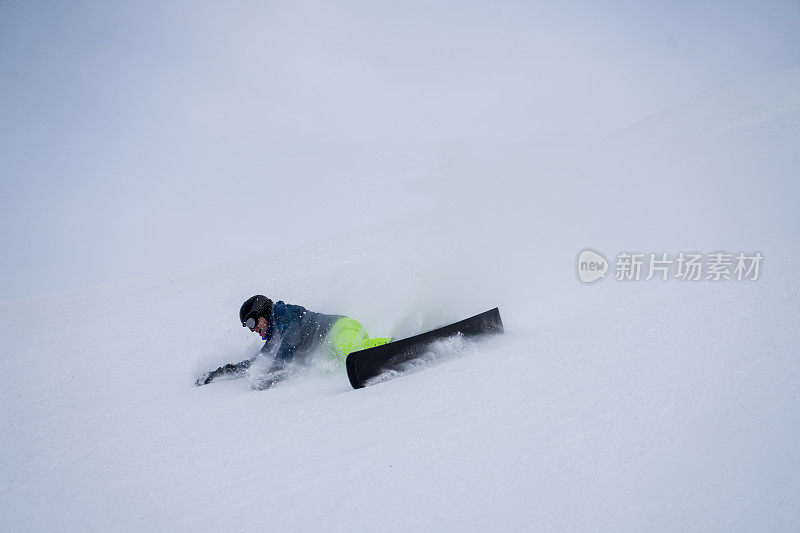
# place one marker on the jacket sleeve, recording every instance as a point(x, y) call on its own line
point(287, 320)
point(289, 340)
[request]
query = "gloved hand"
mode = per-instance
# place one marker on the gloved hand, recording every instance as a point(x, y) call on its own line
point(205, 379)
point(230, 370)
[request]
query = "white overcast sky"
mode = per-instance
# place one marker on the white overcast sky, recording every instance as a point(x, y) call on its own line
point(143, 137)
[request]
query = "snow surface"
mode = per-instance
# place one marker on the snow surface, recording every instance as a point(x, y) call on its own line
point(649, 406)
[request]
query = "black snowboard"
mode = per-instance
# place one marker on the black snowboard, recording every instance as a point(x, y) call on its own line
point(366, 364)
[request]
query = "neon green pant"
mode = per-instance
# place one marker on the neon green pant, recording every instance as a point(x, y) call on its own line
point(348, 335)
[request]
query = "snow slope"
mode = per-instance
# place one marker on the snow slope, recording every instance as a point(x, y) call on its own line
point(662, 406)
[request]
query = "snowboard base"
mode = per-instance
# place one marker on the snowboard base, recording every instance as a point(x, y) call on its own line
point(364, 365)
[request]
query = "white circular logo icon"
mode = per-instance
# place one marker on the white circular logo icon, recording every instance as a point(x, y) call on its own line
point(591, 266)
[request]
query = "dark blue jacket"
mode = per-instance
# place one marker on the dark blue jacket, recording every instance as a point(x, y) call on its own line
point(298, 330)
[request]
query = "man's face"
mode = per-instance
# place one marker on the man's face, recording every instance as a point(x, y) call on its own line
point(261, 328)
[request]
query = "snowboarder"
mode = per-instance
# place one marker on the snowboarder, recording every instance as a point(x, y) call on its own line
point(293, 333)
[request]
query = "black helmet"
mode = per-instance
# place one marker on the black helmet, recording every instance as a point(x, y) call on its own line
point(255, 307)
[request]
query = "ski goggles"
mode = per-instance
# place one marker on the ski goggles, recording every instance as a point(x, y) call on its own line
point(251, 323)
